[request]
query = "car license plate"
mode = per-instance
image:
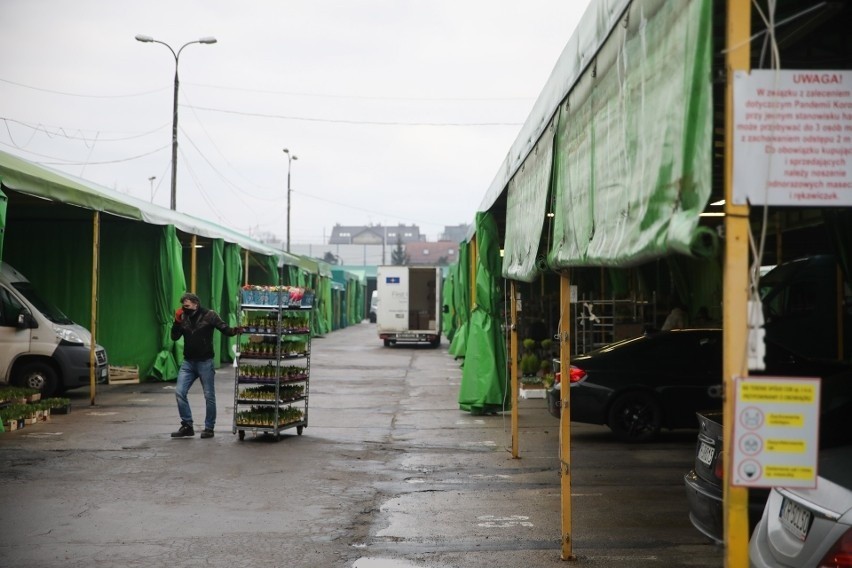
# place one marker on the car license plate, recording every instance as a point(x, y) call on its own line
point(705, 453)
point(795, 518)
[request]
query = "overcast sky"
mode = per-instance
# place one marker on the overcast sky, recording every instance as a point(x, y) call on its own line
point(399, 111)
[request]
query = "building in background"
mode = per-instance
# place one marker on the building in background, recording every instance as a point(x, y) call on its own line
point(362, 245)
point(375, 234)
point(441, 253)
point(454, 233)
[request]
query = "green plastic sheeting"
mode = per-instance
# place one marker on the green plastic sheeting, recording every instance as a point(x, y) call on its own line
point(324, 306)
point(217, 274)
point(483, 385)
point(448, 314)
point(461, 300)
point(231, 295)
point(170, 285)
point(633, 141)
point(526, 211)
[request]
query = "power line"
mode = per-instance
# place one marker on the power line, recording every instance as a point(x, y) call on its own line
point(343, 121)
point(59, 131)
point(82, 95)
point(273, 92)
point(221, 155)
point(363, 97)
point(67, 163)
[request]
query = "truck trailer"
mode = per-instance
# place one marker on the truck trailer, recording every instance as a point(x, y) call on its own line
point(409, 304)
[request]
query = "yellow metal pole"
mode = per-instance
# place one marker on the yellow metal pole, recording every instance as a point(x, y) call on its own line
point(736, 289)
point(193, 263)
point(513, 357)
point(565, 414)
point(96, 245)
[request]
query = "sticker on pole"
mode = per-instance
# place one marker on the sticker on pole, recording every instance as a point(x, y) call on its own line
point(776, 426)
point(792, 138)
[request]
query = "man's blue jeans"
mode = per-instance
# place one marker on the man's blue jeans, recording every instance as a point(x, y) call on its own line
point(189, 371)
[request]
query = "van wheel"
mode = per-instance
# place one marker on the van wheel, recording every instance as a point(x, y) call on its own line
point(39, 376)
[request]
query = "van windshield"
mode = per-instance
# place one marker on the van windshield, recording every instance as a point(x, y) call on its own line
point(49, 311)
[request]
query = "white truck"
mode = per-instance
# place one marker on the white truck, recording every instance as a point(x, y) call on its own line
point(39, 346)
point(409, 304)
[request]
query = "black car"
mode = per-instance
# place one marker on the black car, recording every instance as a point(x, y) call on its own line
point(704, 483)
point(660, 380)
point(638, 386)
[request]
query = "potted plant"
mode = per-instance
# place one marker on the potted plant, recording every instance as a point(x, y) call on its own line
point(59, 405)
point(530, 362)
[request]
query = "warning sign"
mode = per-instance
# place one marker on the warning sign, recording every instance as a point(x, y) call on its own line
point(793, 138)
point(776, 432)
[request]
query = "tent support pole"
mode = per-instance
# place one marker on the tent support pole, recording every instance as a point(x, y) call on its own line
point(193, 264)
point(513, 350)
point(246, 271)
point(736, 285)
point(565, 413)
point(96, 246)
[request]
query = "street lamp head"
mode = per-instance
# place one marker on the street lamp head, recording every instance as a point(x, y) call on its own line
point(286, 151)
point(295, 157)
point(144, 38)
point(208, 39)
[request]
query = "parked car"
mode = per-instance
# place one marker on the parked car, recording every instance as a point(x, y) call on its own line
point(809, 527)
point(704, 481)
point(660, 380)
point(638, 386)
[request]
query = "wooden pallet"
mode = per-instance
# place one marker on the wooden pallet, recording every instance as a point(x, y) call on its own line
point(123, 375)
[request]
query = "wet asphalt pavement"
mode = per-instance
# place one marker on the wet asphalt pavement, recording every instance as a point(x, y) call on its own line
point(389, 473)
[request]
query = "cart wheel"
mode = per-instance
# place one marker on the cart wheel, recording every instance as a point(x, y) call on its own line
point(242, 434)
point(299, 430)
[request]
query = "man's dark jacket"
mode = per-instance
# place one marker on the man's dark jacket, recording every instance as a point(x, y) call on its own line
point(197, 332)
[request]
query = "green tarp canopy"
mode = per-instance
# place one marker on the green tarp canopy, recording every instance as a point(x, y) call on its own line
point(483, 386)
point(621, 161)
point(144, 259)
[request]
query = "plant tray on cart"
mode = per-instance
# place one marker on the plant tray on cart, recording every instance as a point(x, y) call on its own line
point(268, 426)
point(266, 401)
point(271, 381)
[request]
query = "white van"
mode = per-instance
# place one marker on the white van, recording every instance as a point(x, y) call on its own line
point(39, 346)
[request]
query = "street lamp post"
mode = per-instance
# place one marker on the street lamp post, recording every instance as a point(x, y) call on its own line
point(149, 39)
point(151, 179)
point(290, 158)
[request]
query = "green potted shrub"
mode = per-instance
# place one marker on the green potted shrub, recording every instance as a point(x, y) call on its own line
point(529, 360)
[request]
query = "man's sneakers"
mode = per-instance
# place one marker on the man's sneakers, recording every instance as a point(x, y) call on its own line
point(207, 433)
point(185, 431)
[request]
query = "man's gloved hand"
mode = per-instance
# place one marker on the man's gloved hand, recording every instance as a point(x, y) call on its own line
point(178, 315)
